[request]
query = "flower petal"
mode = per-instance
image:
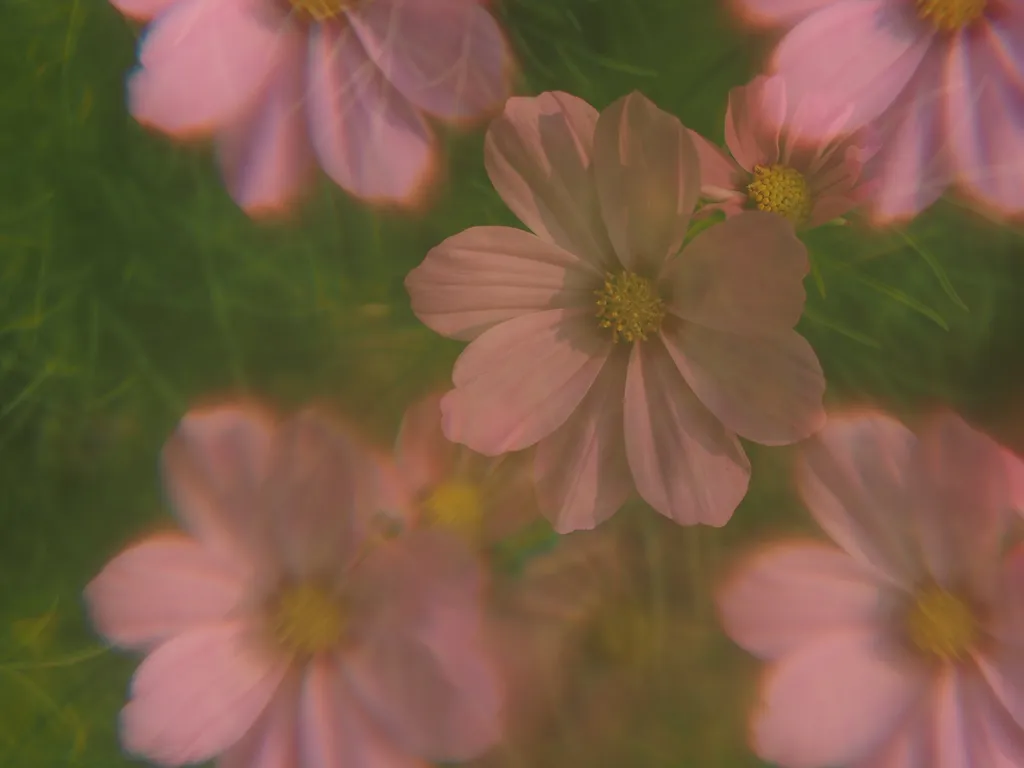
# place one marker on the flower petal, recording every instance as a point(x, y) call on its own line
point(857, 52)
point(790, 593)
point(520, 381)
point(447, 57)
point(853, 477)
point(273, 742)
point(684, 463)
point(834, 700)
point(581, 469)
point(780, 13)
point(485, 275)
point(198, 694)
point(368, 137)
point(744, 275)
point(537, 154)
point(766, 388)
point(648, 179)
point(159, 588)
point(142, 10)
point(720, 177)
point(265, 155)
point(203, 64)
point(423, 455)
point(753, 121)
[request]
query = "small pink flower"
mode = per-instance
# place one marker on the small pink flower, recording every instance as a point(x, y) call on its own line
point(941, 80)
point(774, 167)
point(627, 363)
point(285, 82)
point(902, 647)
point(280, 631)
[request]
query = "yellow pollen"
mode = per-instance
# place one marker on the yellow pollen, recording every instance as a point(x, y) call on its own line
point(781, 190)
point(455, 505)
point(951, 15)
point(306, 619)
point(941, 624)
point(320, 10)
point(630, 306)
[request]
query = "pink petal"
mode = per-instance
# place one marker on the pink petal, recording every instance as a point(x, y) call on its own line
point(423, 455)
point(857, 52)
point(779, 13)
point(960, 494)
point(203, 64)
point(995, 696)
point(744, 275)
point(648, 179)
point(486, 275)
point(160, 588)
point(538, 158)
point(198, 694)
point(142, 10)
point(582, 473)
point(447, 57)
point(834, 700)
point(791, 593)
point(520, 381)
point(753, 121)
point(913, 166)
point(830, 207)
point(273, 742)
point(368, 137)
point(336, 730)
point(960, 737)
point(1005, 33)
point(419, 664)
point(853, 478)
point(684, 463)
point(765, 388)
point(214, 467)
point(720, 177)
point(911, 744)
point(265, 155)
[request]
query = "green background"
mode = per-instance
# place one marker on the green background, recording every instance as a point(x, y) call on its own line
point(131, 287)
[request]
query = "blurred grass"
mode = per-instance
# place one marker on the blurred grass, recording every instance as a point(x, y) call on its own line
point(131, 287)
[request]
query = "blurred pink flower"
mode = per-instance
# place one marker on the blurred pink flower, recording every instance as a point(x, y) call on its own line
point(941, 80)
point(774, 166)
point(280, 631)
point(283, 83)
point(628, 363)
point(903, 645)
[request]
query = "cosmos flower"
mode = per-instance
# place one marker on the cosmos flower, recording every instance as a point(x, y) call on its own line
point(900, 647)
point(940, 80)
point(775, 168)
point(280, 631)
point(630, 361)
point(285, 83)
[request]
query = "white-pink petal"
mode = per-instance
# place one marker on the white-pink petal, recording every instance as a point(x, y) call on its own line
point(781, 13)
point(143, 10)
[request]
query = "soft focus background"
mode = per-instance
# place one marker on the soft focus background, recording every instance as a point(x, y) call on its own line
point(132, 288)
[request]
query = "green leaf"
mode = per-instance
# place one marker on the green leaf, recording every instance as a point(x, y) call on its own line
point(814, 317)
point(903, 298)
point(937, 269)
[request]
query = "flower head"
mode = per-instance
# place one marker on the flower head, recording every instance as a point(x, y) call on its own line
point(630, 361)
point(280, 623)
point(876, 645)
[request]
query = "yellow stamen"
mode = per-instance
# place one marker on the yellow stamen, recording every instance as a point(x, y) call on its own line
point(320, 10)
point(951, 15)
point(456, 505)
point(630, 306)
point(941, 625)
point(782, 190)
point(307, 619)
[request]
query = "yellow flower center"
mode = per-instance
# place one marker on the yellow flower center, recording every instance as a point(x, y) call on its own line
point(320, 10)
point(951, 15)
point(630, 306)
point(941, 624)
point(456, 505)
point(782, 190)
point(307, 619)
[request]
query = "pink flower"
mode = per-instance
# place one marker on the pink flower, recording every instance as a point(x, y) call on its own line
point(627, 363)
point(902, 647)
point(280, 631)
point(940, 79)
point(346, 81)
point(774, 167)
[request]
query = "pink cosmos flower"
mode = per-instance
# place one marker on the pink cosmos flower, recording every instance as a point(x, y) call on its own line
point(942, 81)
point(774, 167)
point(902, 646)
point(346, 82)
point(628, 363)
point(280, 631)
